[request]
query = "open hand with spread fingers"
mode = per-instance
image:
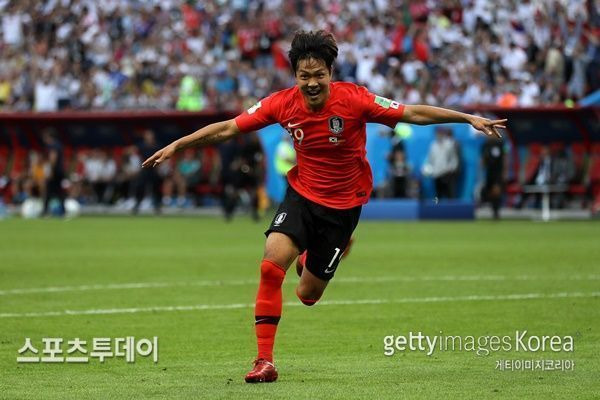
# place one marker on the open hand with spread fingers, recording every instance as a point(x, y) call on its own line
point(488, 126)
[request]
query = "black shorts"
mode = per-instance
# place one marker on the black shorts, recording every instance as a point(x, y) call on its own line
point(323, 231)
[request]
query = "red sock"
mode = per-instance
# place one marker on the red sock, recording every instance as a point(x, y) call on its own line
point(268, 307)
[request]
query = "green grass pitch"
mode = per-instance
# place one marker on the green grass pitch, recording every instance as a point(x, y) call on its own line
point(471, 278)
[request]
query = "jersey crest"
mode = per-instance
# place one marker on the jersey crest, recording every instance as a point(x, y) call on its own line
point(336, 125)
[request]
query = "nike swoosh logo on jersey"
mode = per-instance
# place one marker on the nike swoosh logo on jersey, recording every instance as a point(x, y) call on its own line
point(290, 125)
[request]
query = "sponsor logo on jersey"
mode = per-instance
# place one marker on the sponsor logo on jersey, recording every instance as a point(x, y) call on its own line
point(386, 103)
point(336, 140)
point(279, 219)
point(336, 125)
point(255, 107)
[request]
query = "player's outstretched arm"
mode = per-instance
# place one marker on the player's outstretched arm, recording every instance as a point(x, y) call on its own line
point(210, 134)
point(425, 115)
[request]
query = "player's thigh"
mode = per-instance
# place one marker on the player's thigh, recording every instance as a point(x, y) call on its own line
point(287, 233)
point(280, 249)
point(324, 255)
point(330, 239)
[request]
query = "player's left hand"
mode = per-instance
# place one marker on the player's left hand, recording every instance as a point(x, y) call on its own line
point(161, 155)
point(488, 126)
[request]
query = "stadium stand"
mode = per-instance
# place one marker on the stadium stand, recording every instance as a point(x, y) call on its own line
point(121, 55)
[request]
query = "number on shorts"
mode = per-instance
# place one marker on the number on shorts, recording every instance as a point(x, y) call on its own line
point(328, 270)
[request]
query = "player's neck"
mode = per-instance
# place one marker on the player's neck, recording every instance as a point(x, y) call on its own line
point(319, 107)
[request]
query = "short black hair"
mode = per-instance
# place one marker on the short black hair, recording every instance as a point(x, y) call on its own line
point(319, 45)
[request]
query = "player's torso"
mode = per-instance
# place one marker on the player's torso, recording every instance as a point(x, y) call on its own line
point(332, 133)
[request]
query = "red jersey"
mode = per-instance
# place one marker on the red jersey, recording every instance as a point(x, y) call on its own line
point(332, 168)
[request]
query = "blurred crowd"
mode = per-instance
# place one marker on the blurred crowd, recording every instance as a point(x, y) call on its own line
point(231, 175)
point(223, 54)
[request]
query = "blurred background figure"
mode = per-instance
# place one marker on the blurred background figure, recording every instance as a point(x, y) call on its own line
point(56, 174)
point(99, 174)
point(190, 95)
point(542, 176)
point(126, 176)
point(229, 152)
point(442, 164)
point(562, 173)
point(251, 173)
point(148, 179)
point(400, 171)
point(187, 175)
point(285, 156)
point(493, 161)
point(242, 175)
point(34, 184)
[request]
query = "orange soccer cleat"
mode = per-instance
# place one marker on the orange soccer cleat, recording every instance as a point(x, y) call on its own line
point(263, 371)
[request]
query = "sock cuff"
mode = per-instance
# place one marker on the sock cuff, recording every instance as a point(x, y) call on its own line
point(271, 265)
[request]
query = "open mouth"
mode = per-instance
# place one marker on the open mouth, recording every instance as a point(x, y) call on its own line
point(313, 93)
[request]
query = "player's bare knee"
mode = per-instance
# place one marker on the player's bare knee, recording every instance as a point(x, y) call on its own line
point(280, 249)
point(308, 296)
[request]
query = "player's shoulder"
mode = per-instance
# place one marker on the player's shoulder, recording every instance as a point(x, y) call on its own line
point(350, 95)
point(282, 100)
point(349, 87)
point(284, 95)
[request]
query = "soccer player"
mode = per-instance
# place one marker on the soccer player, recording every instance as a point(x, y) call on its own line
point(331, 181)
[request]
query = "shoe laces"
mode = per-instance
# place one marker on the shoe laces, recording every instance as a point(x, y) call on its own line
point(263, 361)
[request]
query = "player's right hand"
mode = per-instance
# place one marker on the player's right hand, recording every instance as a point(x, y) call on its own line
point(161, 155)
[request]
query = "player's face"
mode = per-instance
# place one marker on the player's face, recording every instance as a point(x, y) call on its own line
point(313, 78)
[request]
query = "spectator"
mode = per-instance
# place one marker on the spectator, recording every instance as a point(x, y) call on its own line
point(251, 173)
point(562, 173)
point(187, 175)
point(100, 173)
point(493, 160)
point(148, 179)
point(46, 94)
point(400, 172)
point(126, 175)
point(285, 156)
point(442, 163)
point(56, 173)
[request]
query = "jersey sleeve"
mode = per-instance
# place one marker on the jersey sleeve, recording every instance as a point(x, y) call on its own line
point(379, 109)
point(258, 116)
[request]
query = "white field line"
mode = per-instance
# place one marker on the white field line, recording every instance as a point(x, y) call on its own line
point(202, 307)
point(240, 282)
